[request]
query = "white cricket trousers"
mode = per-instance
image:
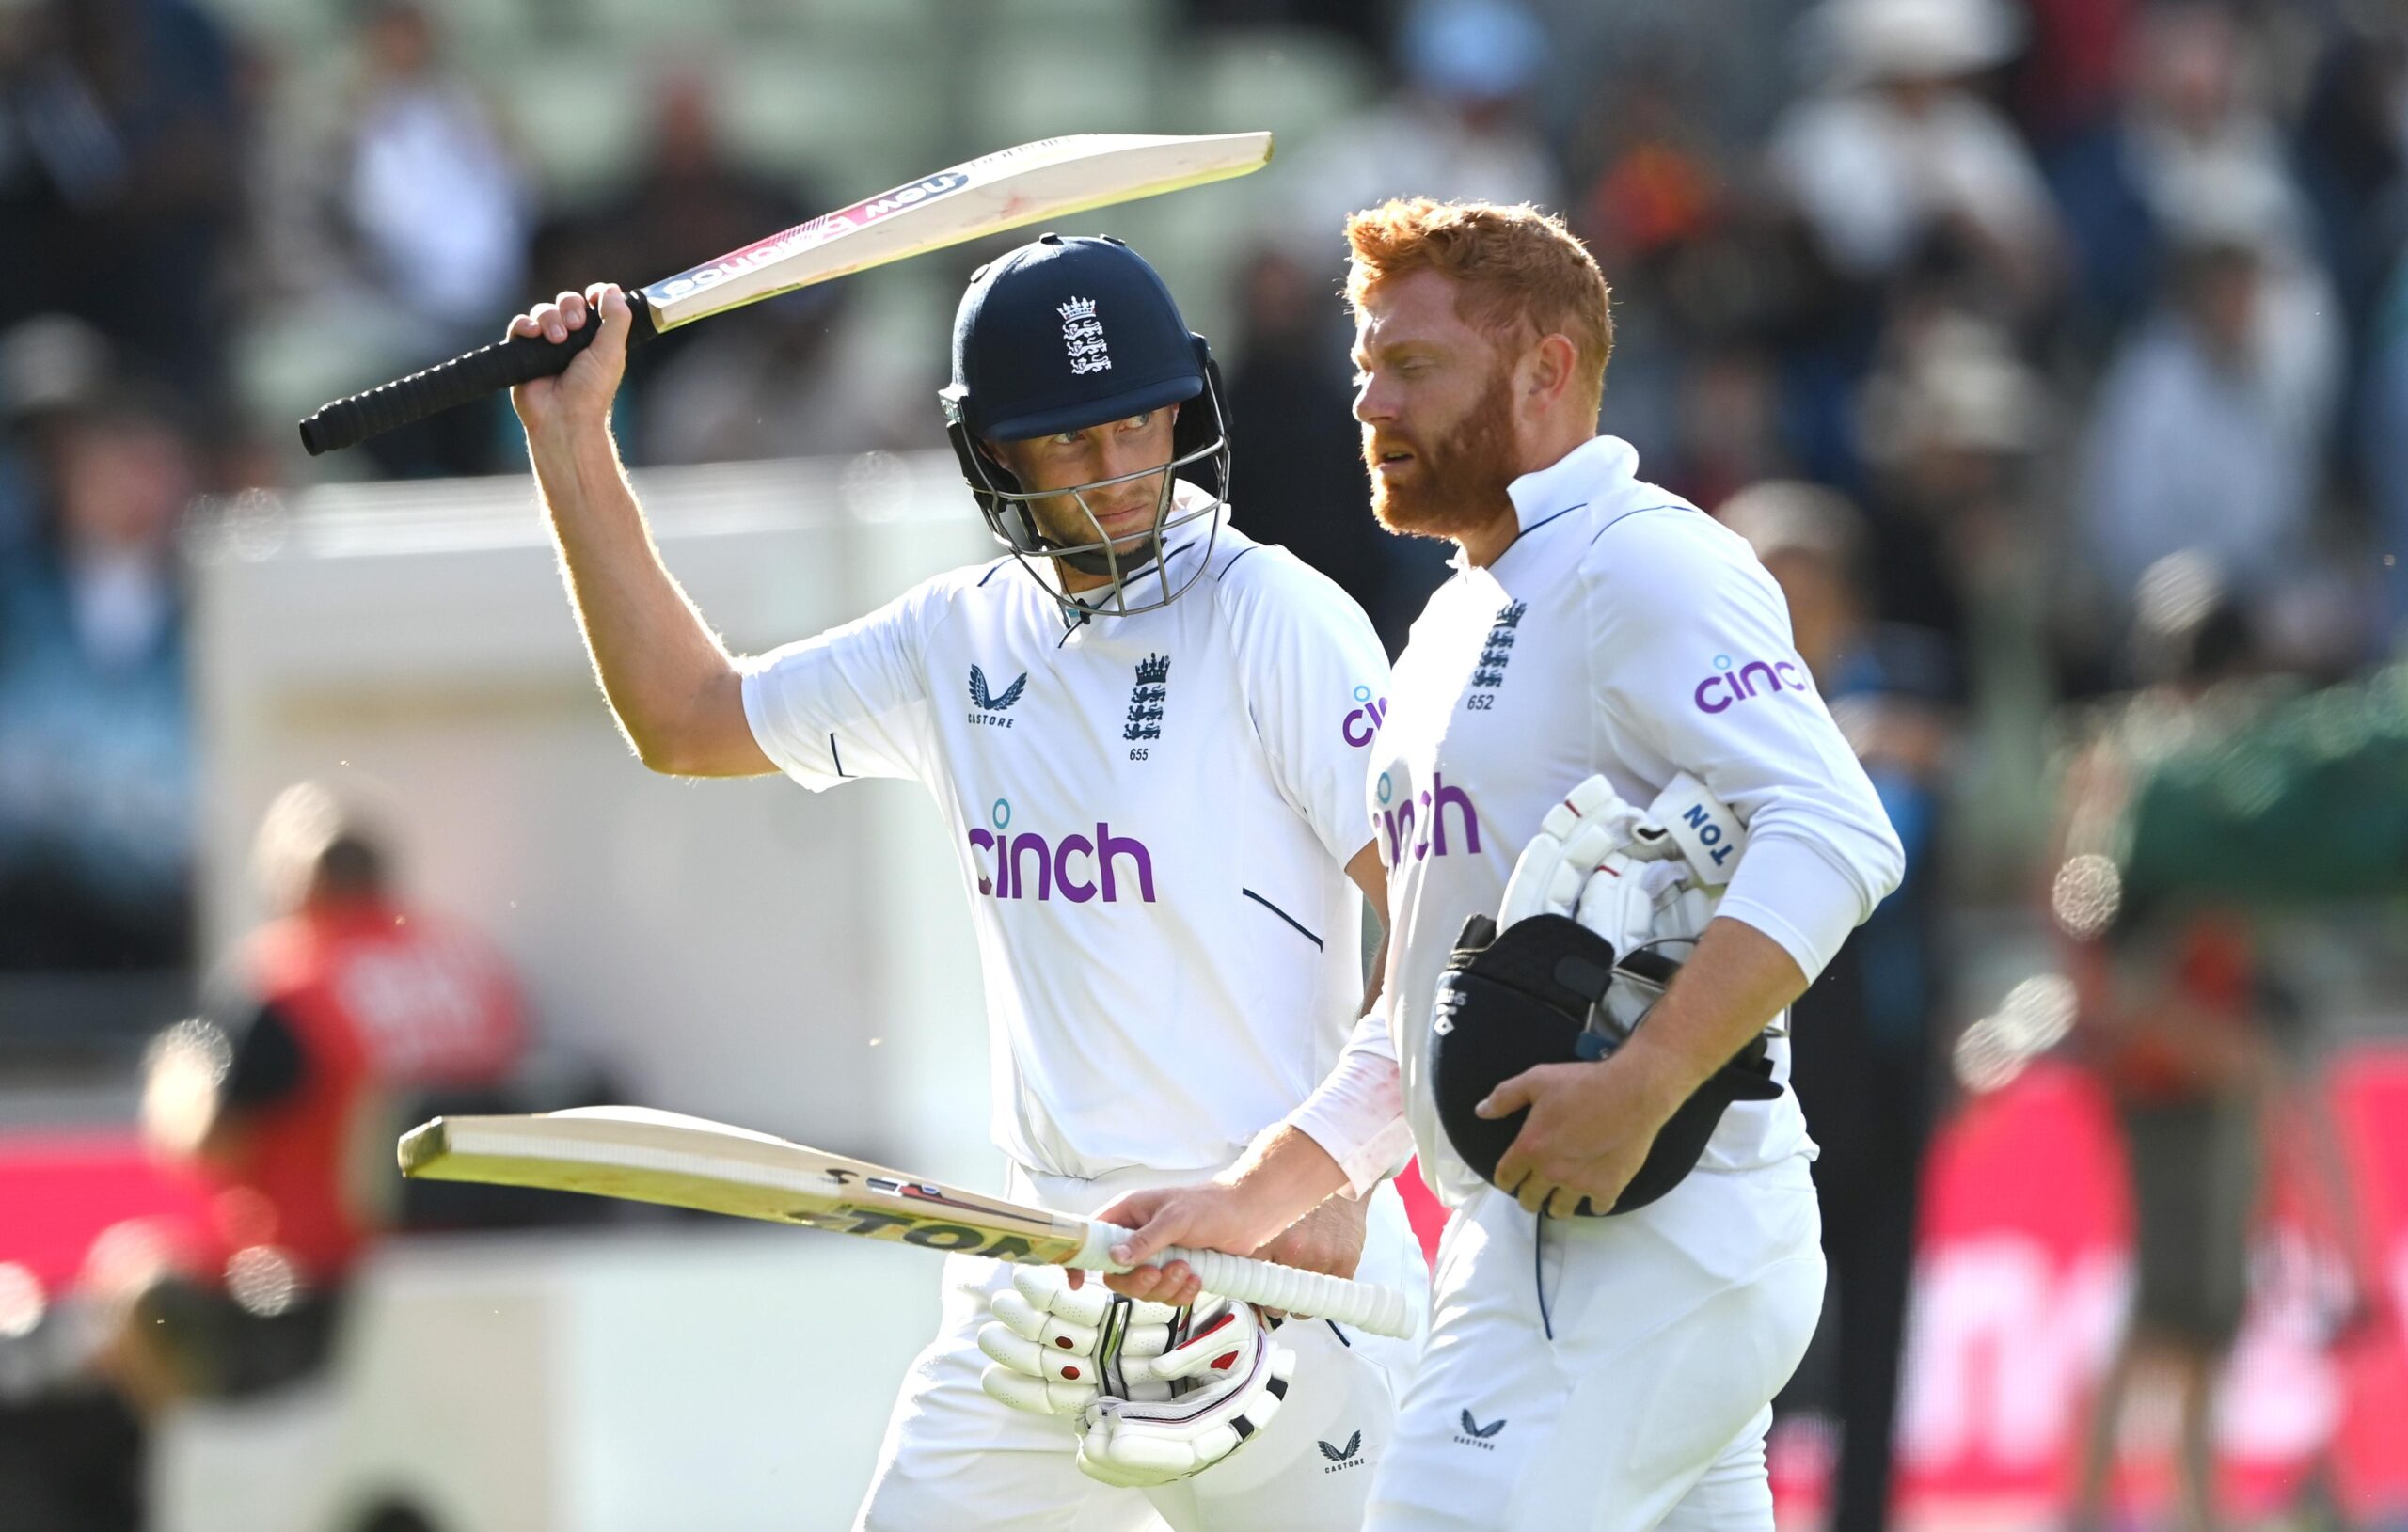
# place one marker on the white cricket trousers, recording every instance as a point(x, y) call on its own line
point(954, 1458)
point(1672, 1327)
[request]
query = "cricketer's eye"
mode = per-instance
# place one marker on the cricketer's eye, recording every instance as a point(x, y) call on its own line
point(1138, 421)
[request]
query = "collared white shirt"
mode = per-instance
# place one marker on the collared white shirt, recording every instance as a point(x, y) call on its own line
point(1623, 632)
point(1153, 814)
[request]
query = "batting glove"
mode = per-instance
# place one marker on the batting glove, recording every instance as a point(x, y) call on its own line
point(1055, 1347)
point(1228, 1376)
point(1640, 878)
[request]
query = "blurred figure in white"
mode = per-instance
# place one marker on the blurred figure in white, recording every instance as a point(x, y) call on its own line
point(2210, 424)
point(391, 197)
point(429, 186)
point(1891, 151)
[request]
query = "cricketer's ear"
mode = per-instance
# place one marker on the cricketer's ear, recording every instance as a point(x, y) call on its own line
point(1547, 370)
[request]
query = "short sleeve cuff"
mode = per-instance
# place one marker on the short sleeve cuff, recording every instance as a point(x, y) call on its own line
point(759, 715)
point(1793, 894)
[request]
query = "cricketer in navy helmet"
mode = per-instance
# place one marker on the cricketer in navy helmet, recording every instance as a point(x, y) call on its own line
point(1623, 834)
point(1146, 735)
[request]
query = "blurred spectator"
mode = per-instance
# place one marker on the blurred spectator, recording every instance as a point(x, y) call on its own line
point(1949, 423)
point(2210, 424)
point(118, 185)
point(2352, 156)
point(799, 377)
point(1866, 1080)
point(1721, 59)
point(1299, 470)
point(683, 202)
point(1727, 431)
point(96, 771)
point(2194, 127)
point(325, 1033)
point(1701, 276)
point(48, 365)
point(1360, 19)
point(1458, 127)
point(2072, 74)
point(1894, 160)
point(2174, 1014)
point(2382, 436)
point(395, 202)
point(1953, 426)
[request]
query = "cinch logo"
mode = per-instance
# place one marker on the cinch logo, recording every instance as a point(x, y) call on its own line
point(1399, 823)
point(1477, 1435)
point(1718, 691)
point(1018, 858)
point(1360, 726)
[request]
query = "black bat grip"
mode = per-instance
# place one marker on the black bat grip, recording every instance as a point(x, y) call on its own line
point(487, 369)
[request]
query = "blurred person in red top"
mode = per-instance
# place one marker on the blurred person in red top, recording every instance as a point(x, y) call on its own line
point(347, 1015)
point(2177, 1016)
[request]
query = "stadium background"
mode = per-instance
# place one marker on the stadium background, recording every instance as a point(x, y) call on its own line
point(214, 216)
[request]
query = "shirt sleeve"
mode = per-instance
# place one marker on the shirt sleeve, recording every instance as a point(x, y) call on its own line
point(1316, 680)
point(1357, 1113)
point(1695, 662)
point(267, 1065)
point(850, 702)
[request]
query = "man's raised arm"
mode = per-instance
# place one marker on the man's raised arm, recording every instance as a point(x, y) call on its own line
point(677, 694)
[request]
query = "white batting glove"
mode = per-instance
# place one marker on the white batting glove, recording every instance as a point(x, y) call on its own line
point(1228, 1377)
point(1635, 877)
point(1055, 1347)
point(1591, 824)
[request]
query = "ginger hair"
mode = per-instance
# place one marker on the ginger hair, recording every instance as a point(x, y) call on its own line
point(1520, 273)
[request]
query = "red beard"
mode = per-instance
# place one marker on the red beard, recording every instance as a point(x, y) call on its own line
point(1456, 486)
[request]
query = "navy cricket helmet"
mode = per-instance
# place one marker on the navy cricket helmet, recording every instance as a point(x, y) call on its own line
point(1068, 332)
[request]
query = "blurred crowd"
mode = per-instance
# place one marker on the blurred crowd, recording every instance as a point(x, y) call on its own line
point(2047, 290)
point(2050, 351)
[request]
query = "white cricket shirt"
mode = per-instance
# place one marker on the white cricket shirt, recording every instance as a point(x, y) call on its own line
point(1624, 632)
point(1153, 816)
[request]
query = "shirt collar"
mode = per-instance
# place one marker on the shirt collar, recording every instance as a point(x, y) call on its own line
point(1578, 477)
point(1592, 472)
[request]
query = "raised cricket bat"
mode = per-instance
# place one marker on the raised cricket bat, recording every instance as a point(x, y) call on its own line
point(648, 1156)
point(1051, 177)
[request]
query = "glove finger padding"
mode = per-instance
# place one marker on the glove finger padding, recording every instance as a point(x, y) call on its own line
point(1227, 1377)
point(1055, 1347)
point(1634, 905)
point(1590, 825)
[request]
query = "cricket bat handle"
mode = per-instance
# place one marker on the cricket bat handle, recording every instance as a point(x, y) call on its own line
point(487, 369)
point(1290, 1290)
